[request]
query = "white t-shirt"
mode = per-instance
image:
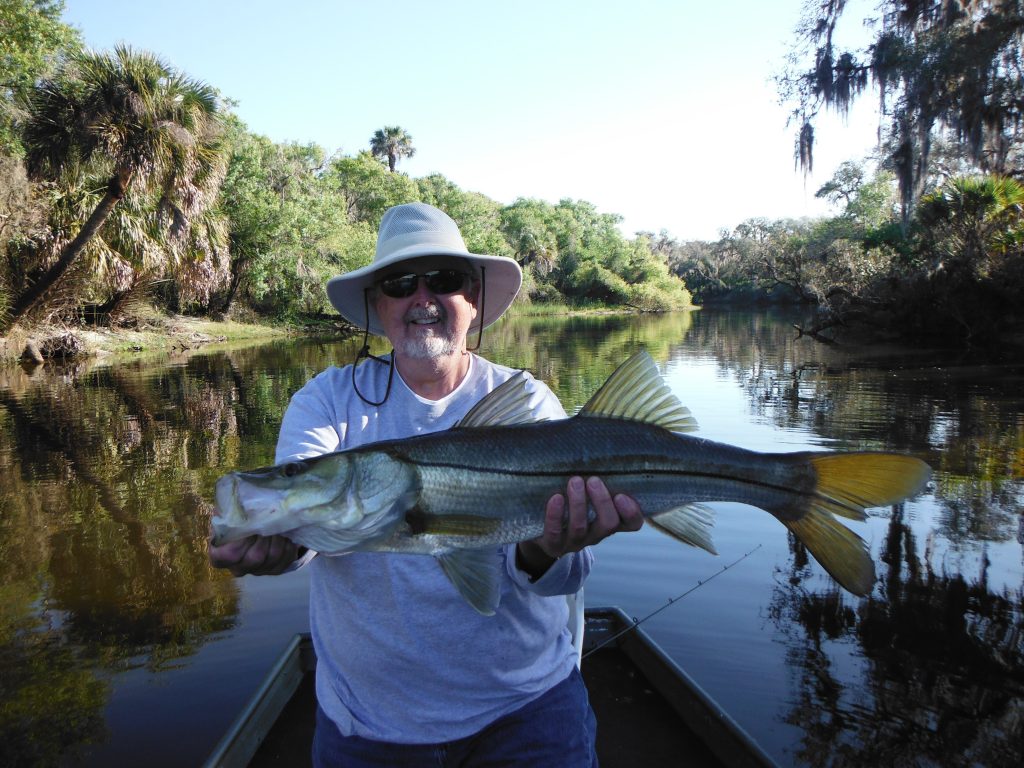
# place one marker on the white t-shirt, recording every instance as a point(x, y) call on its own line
point(402, 657)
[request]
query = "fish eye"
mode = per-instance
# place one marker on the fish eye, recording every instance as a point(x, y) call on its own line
point(292, 468)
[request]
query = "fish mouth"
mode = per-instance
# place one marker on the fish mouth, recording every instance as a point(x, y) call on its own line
point(229, 511)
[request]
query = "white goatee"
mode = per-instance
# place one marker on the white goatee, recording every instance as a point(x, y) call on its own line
point(431, 341)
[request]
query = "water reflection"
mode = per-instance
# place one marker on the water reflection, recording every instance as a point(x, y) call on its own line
point(106, 471)
point(939, 645)
point(943, 676)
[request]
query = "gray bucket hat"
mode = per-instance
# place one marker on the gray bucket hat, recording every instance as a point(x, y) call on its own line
point(412, 231)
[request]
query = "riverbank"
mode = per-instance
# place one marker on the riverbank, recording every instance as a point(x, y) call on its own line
point(155, 333)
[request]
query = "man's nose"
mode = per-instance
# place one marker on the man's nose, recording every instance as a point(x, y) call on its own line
point(422, 291)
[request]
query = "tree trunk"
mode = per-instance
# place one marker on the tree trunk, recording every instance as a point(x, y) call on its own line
point(115, 191)
point(236, 280)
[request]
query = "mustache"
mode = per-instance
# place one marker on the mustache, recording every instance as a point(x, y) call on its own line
point(431, 312)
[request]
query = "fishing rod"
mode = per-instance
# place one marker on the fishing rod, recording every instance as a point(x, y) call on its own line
point(671, 601)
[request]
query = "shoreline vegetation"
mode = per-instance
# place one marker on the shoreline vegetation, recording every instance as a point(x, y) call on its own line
point(133, 201)
point(154, 332)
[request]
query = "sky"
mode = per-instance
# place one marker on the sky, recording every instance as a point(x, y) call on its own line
point(663, 112)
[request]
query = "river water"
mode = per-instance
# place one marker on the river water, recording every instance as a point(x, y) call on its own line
point(119, 645)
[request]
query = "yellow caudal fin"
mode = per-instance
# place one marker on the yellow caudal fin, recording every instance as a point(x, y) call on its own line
point(847, 483)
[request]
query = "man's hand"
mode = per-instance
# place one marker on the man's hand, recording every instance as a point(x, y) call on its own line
point(569, 531)
point(258, 555)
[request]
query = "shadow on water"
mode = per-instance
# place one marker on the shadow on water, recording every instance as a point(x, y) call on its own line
point(106, 472)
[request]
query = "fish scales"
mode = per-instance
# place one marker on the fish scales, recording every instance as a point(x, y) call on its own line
point(473, 471)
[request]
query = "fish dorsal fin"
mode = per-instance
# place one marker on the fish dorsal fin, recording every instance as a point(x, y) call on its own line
point(636, 391)
point(504, 406)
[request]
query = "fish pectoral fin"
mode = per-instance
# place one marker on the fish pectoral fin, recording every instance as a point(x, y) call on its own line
point(636, 392)
point(690, 523)
point(504, 406)
point(475, 573)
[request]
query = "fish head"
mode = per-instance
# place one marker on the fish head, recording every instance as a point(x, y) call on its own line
point(276, 499)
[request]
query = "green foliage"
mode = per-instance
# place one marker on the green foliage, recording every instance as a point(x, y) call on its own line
point(32, 39)
point(289, 228)
point(971, 251)
point(961, 276)
point(528, 226)
point(956, 279)
point(971, 225)
point(129, 154)
point(368, 188)
point(568, 251)
point(571, 250)
point(866, 202)
point(652, 286)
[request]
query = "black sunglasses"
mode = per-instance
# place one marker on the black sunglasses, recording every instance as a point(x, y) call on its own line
point(439, 281)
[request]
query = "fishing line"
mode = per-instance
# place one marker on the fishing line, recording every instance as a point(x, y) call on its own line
point(671, 601)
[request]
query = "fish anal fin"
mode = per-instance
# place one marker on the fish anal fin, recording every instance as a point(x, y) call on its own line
point(837, 549)
point(506, 405)
point(475, 574)
point(690, 523)
point(636, 391)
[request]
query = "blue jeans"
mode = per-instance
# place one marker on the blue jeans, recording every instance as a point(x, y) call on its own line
point(557, 730)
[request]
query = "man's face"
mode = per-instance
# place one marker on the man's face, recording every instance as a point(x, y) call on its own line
point(426, 324)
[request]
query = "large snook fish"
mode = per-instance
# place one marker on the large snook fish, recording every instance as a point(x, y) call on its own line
point(460, 493)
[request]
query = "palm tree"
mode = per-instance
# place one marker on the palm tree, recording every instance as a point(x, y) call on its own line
point(972, 222)
point(138, 124)
point(393, 143)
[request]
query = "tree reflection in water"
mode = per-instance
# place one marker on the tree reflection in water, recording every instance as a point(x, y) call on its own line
point(937, 653)
point(103, 542)
point(943, 659)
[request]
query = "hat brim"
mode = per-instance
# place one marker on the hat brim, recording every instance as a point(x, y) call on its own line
point(502, 279)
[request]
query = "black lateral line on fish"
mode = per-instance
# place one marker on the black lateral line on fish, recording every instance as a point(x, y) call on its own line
point(606, 472)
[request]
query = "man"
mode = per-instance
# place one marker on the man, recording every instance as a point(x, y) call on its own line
point(408, 673)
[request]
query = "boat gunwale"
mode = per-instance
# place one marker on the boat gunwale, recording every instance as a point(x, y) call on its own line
point(726, 738)
point(605, 627)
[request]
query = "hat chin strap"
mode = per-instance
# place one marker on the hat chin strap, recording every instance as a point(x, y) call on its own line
point(365, 352)
point(480, 314)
